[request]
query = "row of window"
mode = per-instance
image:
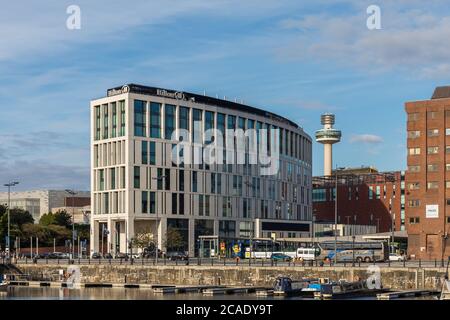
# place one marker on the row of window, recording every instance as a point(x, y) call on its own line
point(202, 205)
point(414, 203)
point(290, 143)
point(430, 150)
point(414, 134)
point(430, 115)
point(416, 220)
point(374, 192)
point(430, 185)
point(430, 168)
point(113, 115)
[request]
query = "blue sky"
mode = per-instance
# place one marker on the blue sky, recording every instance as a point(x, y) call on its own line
point(295, 59)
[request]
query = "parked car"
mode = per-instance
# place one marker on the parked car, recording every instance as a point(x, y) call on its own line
point(108, 256)
point(177, 255)
point(96, 255)
point(121, 255)
point(149, 254)
point(280, 257)
point(396, 257)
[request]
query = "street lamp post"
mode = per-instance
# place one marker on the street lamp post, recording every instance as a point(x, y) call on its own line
point(158, 178)
point(9, 185)
point(73, 193)
point(336, 214)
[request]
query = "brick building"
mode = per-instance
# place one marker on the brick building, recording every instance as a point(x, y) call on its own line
point(428, 176)
point(364, 197)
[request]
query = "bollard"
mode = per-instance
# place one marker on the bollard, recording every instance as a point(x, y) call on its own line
point(435, 263)
point(132, 261)
point(404, 262)
point(224, 261)
point(359, 263)
point(89, 260)
point(46, 260)
point(142, 260)
point(212, 261)
point(58, 261)
point(420, 263)
point(389, 262)
point(109, 261)
point(442, 263)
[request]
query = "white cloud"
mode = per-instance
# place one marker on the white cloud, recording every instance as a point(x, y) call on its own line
point(411, 40)
point(366, 138)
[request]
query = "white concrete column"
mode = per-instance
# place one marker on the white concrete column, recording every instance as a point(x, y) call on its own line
point(327, 159)
point(191, 237)
point(162, 229)
point(110, 235)
point(129, 232)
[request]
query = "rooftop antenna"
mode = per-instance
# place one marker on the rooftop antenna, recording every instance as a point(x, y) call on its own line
point(224, 97)
point(204, 92)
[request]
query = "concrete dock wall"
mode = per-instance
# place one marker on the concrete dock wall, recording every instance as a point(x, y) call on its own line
point(394, 278)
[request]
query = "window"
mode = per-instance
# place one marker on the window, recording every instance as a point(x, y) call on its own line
point(414, 151)
point(197, 125)
point(378, 192)
point(433, 132)
point(183, 122)
point(137, 177)
point(221, 126)
point(447, 184)
point(431, 115)
point(413, 134)
point(152, 202)
point(219, 183)
point(114, 120)
point(159, 179)
point(174, 203)
point(432, 185)
point(370, 192)
point(413, 116)
point(207, 211)
point(413, 203)
point(144, 152)
point(105, 121)
point(447, 149)
point(414, 220)
point(181, 203)
point(432, 167)
point(144, 202)
point(209, 124)
point(200, 205)
point(139, 118)
point(319, 195)
point(155, 120)
point(102, 180)
point(213, 183)
point(414, 186)
point(447, 167)
point(122, 117)
point(152, 152)
point(113, 178)
point(169, 124)
point(448, 219)
point(181, 179)
point(414, 168)
point(194, 181)
point(432, 150)
point(447, 132)
point(167, 178)
point(97, 123)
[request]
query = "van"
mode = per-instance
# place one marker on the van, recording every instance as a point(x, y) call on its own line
point(306, 254)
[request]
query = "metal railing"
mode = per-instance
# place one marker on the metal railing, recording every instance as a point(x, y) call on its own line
point(228, 262)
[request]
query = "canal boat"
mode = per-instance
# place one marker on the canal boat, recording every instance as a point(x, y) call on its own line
point(3, 286)
point(344, 289)
point(285, 286)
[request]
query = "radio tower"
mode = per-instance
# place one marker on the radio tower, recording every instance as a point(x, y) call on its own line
point(327, 136)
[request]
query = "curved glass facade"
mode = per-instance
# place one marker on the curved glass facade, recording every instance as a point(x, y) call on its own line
point(207, 168)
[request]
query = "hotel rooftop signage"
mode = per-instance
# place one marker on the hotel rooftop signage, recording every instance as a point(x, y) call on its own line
point(185, 96)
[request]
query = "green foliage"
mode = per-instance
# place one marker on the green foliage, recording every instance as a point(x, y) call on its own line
point(142, 240)
point(47, 219)
point(62, 218)
point(174, 239)
point(2, 210)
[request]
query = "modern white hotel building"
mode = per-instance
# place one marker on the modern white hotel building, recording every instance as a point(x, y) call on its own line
point(137, 188)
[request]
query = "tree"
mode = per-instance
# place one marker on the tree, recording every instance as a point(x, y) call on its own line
point(62, 218)
point(174, 239)
point(18, 217)
point(47, 219)
point(2, 209)
point(142, 240)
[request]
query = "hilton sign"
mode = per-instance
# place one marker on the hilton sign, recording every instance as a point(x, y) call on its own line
point(114, 92)
point(174, 95)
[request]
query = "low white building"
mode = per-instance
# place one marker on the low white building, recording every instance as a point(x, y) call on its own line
point(39, 202)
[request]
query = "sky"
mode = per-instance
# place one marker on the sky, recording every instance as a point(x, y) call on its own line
point(298, 59)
